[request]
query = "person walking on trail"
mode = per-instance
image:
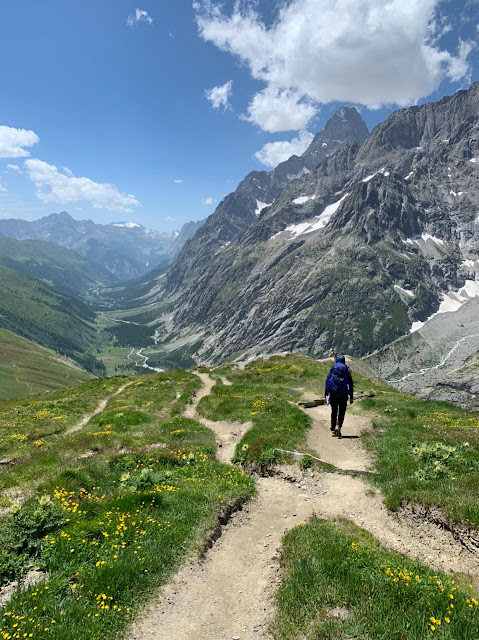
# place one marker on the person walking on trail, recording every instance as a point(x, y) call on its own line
point(339, 386)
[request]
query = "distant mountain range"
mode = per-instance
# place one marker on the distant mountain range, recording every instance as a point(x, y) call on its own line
point(345, 247)
point(126, 249)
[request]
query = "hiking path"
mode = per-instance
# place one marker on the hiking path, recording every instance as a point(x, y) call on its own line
point(230, 593)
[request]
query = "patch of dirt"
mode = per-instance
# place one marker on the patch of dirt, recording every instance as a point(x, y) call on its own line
point(346, 453)
point(100, 408)
point(228, 434)
point(32, 578)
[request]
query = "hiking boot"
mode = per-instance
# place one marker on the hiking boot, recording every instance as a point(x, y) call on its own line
point(337, 432)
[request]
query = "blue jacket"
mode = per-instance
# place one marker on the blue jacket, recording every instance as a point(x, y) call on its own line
point(339, 381)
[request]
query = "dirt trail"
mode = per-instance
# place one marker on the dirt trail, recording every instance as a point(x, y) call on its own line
point(228, 434)
point(100, 408)
point(346, 453)
point(230, 594)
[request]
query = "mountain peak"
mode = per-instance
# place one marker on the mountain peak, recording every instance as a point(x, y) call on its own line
point(346, 124)
point(63, 215)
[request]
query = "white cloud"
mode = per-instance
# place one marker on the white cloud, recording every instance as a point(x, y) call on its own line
point(13, 140)
point(64, 188)
point(280, 110)
point(2, 188)
point(368, 52)
point(219, 96)
point(275, 152)
point(14, 167)
point(139, 16)
point(208, 201)
point(177, 181)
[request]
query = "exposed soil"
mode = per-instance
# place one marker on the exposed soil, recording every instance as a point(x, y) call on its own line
point(229, 595)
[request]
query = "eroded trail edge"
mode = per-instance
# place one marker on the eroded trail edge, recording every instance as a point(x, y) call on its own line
point(230, 594)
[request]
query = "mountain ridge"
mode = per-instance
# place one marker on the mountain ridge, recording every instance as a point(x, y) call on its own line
point(397, 213)
point(126, 249)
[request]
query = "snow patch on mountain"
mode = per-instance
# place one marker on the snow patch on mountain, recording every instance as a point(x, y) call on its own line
point(260, 206)
point(423, 238)
point(318, 222)
point(303, 199)
point(452, 301)
point(407, 292)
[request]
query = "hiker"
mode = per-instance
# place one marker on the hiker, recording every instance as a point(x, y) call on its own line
point(339, 385)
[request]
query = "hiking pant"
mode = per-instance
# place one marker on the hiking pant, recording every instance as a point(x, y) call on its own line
point(338, 410)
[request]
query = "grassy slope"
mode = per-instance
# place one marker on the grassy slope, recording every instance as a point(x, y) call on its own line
point(62, 268)
point(26, 368)
point(120, 515)
point(386, 595)
point(426, 452)
point(37, 312)
point(118, 511)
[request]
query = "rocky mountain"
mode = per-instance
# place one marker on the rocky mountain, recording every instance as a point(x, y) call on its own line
point(62, 268)
point(460, 386)
point(256, 193)
point(349, 255)
point(126, 249)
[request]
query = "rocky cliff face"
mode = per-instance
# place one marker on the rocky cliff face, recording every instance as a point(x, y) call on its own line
point(460, 387)
point(256, 193)
point(126, 249)
point(348, 255)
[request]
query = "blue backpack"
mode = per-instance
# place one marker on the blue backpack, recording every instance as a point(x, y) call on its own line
point(337, 383)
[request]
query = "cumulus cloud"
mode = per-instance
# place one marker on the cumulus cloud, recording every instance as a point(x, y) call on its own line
point(14, 167)
point(208, 201)
point(13, 141)
point(275, 152)
point(280, 110)
point(54, 185)
point(2, 188)
point(220, 96)
point(367, 52)
point(139, 16)
point(177, 181)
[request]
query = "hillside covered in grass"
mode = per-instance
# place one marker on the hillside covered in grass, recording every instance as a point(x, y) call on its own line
point(110, 486)
point(27, 368)
point(37, 312)
point(61, 268)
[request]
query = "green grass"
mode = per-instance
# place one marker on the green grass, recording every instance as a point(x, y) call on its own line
point(426, 452)
point(36, 311)
point(116, 506)
point(27, 368)
point(264, 393)
point(386, 595)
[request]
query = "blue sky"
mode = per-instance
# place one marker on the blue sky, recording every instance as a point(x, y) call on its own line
point(120, 109)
